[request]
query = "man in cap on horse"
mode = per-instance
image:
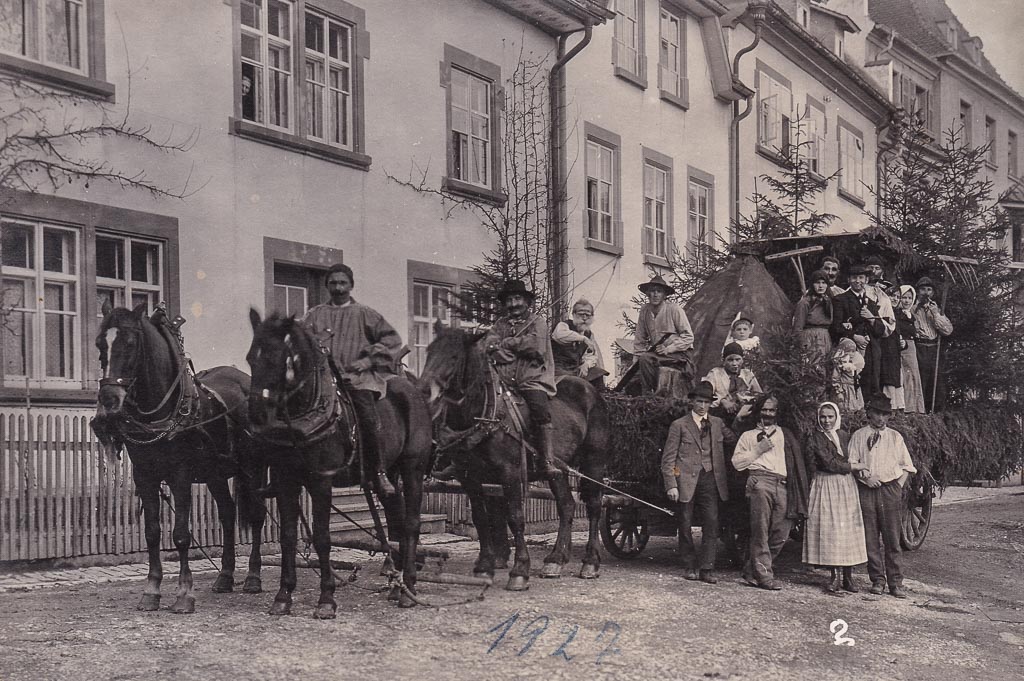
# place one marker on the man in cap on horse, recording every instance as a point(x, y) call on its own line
point(366, 351)
point(663, 337)
point(520, 347)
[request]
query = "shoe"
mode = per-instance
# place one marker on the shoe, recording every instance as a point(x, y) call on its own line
point(708, 576)
point(898, 591)
point(877, 588)
point(546, 452)
point(770, 585)
point(849, 583)
point(690, 575)
point(748, 577)
point(449, 472)
point(834, 581)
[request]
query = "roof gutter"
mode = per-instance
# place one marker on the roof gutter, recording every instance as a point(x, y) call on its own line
point(758, 11)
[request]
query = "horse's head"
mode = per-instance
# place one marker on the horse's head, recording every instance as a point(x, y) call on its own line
point(444, 372)
point(281, 348)
point(120, 343)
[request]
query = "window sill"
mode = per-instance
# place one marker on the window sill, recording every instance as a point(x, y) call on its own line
point(471, 191)
point(843, 194)
point(1015, 265)
point(57, 78)
point(990, 165)
point(15, 397)
point(284, 140)
point(682, 102)
point(656, 260)
point(603, 246)
point(1011, 177)
point(772, 155)
point(631, 77)
point(819, 179)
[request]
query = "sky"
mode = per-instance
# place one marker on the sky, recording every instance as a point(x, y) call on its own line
point(1000, 25)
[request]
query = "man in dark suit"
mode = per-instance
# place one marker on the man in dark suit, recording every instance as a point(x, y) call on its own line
point(856, 315)
point(694, 471)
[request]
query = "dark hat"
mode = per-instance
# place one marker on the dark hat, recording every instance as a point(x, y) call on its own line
point(817, 275)
point(656, 280)
point(732, 349)
point(742, 318)
point(515, 287)
point(857, 269)
point(925, 281)
point(880, 403)
point(874, 260)
point(884, 284)
point(702, 389)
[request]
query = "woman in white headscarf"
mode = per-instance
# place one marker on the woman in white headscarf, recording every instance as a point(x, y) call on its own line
point(834, 530)
point(913, 392)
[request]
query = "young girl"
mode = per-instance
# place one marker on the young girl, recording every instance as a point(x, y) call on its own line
point(813, 315)
point(848, 365)
point(741, 333)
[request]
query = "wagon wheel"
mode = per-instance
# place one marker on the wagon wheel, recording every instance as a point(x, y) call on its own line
point(917, 510)
point(624, 531)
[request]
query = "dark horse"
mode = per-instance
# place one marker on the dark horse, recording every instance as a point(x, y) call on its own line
point(295, 405)
point(462, 388)
point(180, 429)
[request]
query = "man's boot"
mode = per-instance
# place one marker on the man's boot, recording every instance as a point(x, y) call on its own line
point(373, 456)
point(546, 451)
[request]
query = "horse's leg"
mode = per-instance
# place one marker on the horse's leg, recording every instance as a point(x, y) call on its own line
point(412, 496)
point(255, 512)
point(288, 507)
point(394, 518)
point(484, 565)
point(149, 492)
point(512, 486)
point(181, 489)
point(497, 512)
point(561, 552)
point(592, 494)
point(320, 492)
point(225, 581)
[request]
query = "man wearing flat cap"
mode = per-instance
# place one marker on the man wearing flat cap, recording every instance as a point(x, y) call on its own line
point(663, 337)
point(520, 347)
point(735, 386)
point(929, 325)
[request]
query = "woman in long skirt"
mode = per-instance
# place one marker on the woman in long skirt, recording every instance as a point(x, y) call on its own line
point(913, 392)
point(812, 316)
point(834, 531)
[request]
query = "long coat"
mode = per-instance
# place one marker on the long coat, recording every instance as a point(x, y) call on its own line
point(681, 458)
point(521, 350)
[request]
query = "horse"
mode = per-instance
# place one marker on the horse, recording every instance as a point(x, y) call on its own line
point(296, 404)
point(461, 385)
point(181, 429)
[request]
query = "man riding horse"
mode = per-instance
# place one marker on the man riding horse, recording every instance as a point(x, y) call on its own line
point(366, 351)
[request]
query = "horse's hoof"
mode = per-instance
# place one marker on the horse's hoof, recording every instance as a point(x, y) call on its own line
point(253, 585)
point(280, 608)
point(149, 602)
point(551, 571)
point(326, 611)
point(394, 593)
point(501, 563)
point(184, 605)
point(590, 571)
point(406, 601)
point(517, 583)
point(223, 584)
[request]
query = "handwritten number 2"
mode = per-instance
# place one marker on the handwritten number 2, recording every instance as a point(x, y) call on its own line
point(505, 627)
point(839, 629)
point(533, 634)
point(609, 649)
point(561, 649)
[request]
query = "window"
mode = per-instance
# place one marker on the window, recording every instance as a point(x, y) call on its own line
point(656, 237)
point(1012, 153)
point(840, 43)
point(813, 131)
point(300, 77)
point(1017, 243)
point(294, 275)
point(628, 43)
point(990, 140)
point(46, 31)
point(966, 136)
point(700, 225)
point(474, 145)
point(803, 16)
point(851, 163)
point(60, 261)
point(951, 35)
point(913, 97)
point(774, 107)
point(672, 82)
point(432, 297)
point(600, 192)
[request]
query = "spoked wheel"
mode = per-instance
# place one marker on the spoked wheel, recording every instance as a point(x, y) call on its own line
point(624, 531)
point(917, 510)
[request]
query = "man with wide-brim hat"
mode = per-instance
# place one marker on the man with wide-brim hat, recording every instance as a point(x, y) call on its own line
point(889, 467)
point(520, 347)
point(693, 469)
point(865, 316)
point(930, 324)
point(663, 337)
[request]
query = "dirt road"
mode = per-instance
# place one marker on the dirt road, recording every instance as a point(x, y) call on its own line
point(640, 620)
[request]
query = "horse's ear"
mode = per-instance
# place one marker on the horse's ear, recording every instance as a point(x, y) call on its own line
point(106, 308)
point(439, 326)
point(140, 310)
point(254, 318)
point(473, 338)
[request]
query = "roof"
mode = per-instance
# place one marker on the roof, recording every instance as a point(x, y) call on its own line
point(558, 16)
point(918, 22)
point(843, 20)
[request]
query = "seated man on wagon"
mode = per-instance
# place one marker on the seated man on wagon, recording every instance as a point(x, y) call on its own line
point(736, 387)
point(663, 337)
point(366, 351)
point(575, 349)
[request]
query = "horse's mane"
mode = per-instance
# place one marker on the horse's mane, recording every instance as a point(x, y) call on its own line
point(302, 339)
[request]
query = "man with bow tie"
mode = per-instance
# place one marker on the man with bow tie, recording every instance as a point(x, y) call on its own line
point(693, 469)
point(881, 494)
point(777, 489)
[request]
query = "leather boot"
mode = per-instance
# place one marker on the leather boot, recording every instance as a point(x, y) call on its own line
point(369, 427)
point(449, 472)
point(373, 457)
point(849, 583)
point(546, 452)
point(834, 580)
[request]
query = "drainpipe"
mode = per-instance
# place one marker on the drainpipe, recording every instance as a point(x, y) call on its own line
point(558, 247)
point(758, 11)
point(882, 149)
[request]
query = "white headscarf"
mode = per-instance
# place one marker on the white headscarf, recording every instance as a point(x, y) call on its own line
point(832, 433)
point(904, 289)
